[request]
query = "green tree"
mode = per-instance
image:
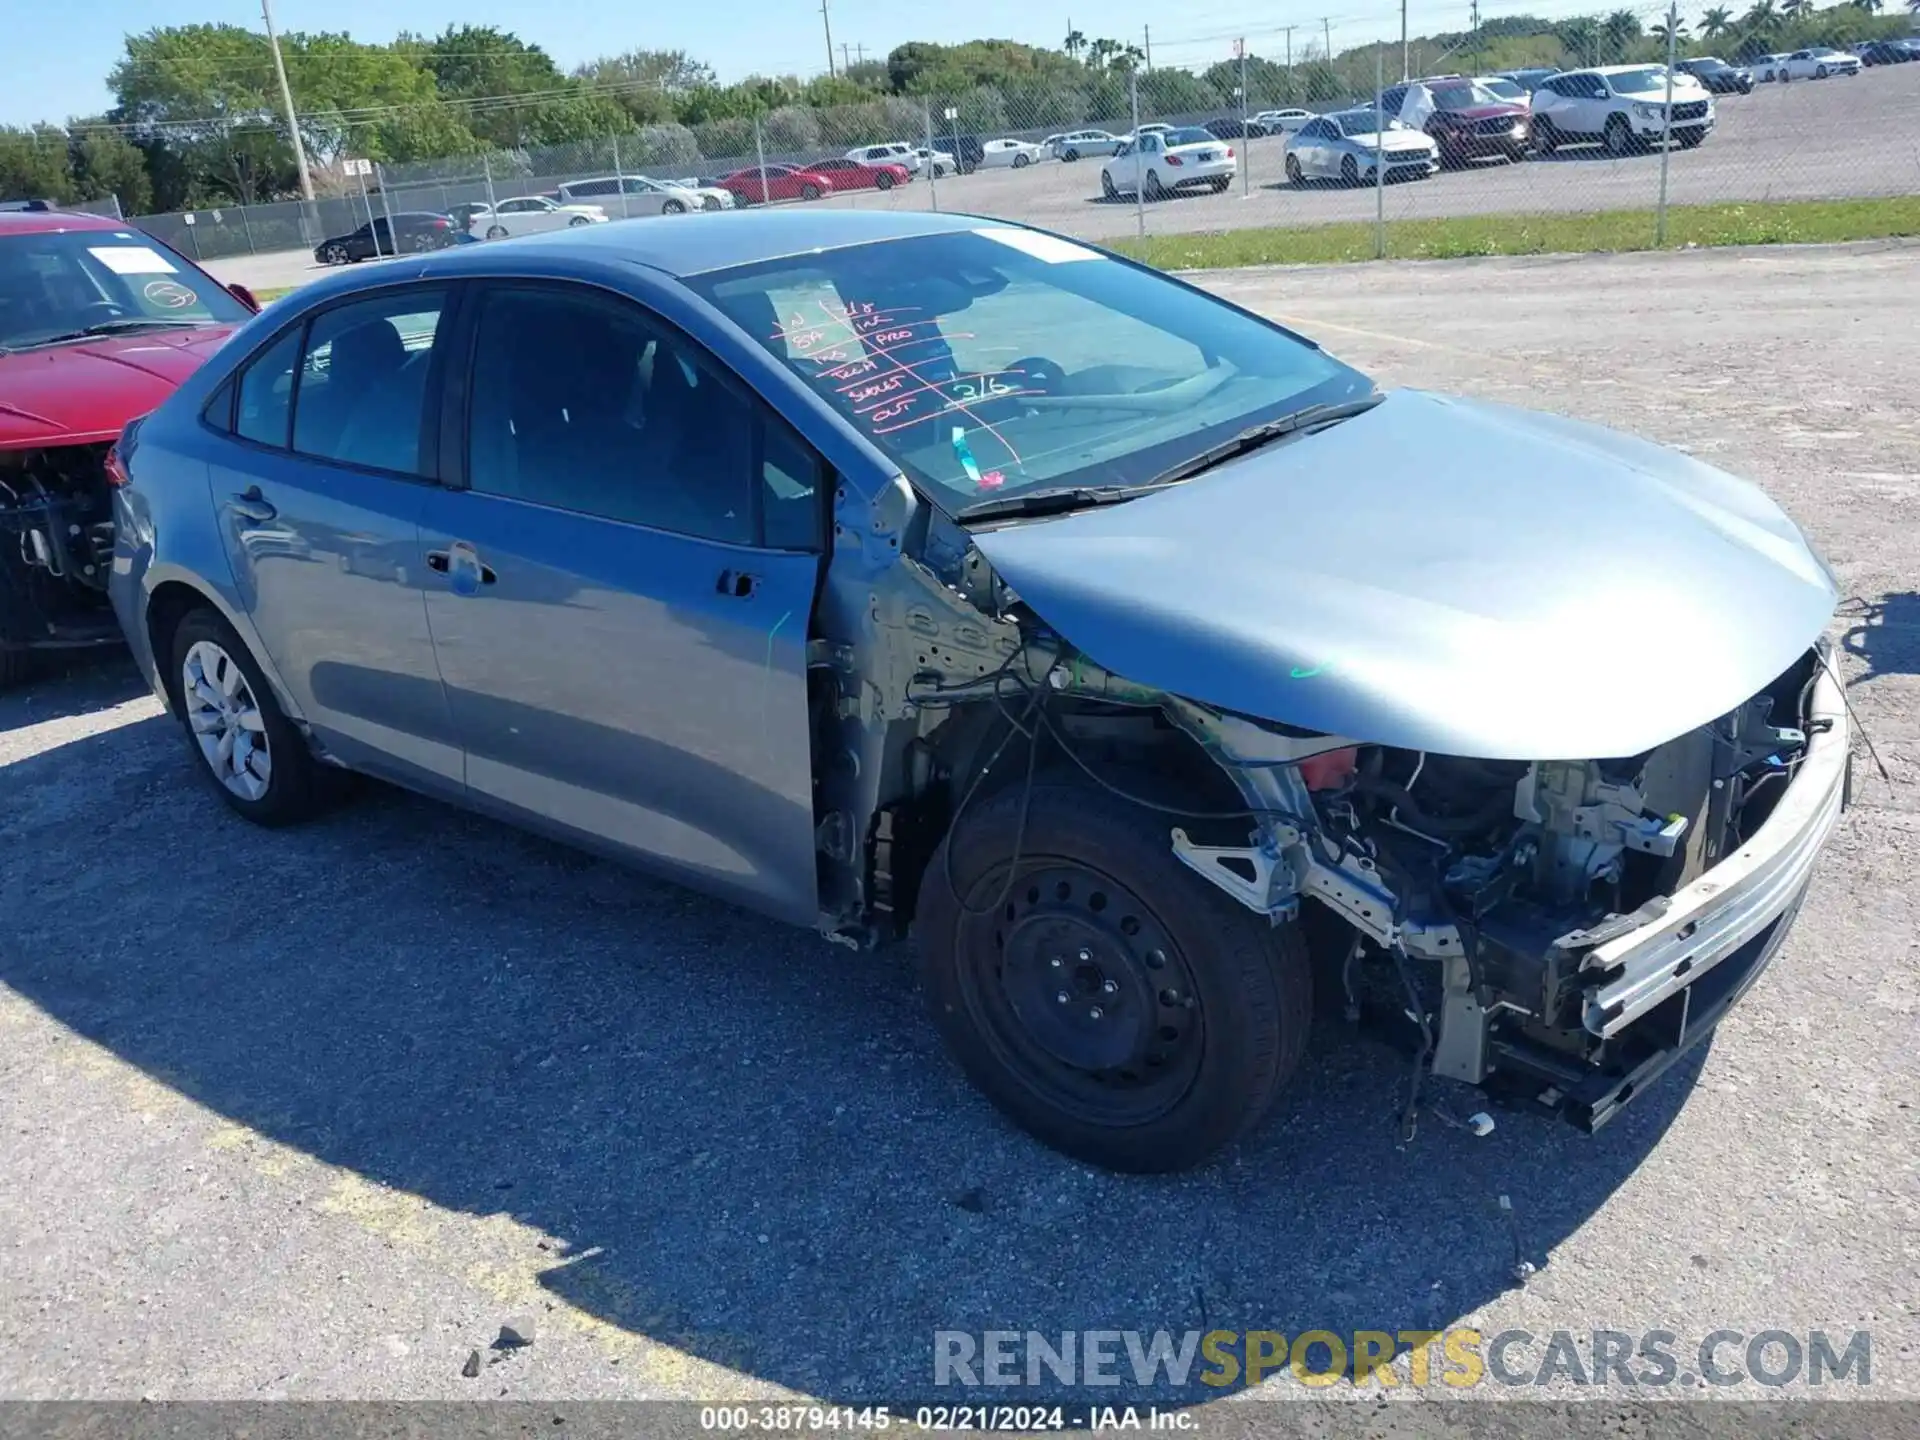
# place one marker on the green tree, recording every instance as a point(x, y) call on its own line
point(1872, 7)
point(1798, 9)
point(1716, 22)
point(34, 164)
point(1659, 32)
point(104, 162)
point(1618, 31)
point(645, 83)
point(1761, 18)
point(204, 92)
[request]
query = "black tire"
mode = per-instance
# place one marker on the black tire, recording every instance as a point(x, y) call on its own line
point(336, 255)
point(1107, 187)
point(1022, 160)
point(1618, 137)
point(294, 790)
point(496, 232)
point(1545, 137)
point(1154, 189)
point(883, 181)
point(1349, 170)
point(1819, 72)
point(577, 221)
point(15, 666)
point(672, 207)
point(1070, 155)
point(1295, 175)
point(1195, 982)
point(809, 191)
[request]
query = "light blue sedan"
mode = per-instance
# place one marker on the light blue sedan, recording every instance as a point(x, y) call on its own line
point(916, 574)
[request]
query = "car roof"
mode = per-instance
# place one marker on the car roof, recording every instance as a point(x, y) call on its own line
point(41, 222)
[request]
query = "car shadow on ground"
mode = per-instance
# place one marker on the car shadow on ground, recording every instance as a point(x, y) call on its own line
point(1885, 633)
point(730, 1138)
point(66, 684)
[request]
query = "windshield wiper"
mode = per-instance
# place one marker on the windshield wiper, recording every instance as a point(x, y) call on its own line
point(1255, 436)
point(1049, 502)
point(110, 327)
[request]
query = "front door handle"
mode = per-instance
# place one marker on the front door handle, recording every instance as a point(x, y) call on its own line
point(441, 563)
point(250, 504)
point(738, 584)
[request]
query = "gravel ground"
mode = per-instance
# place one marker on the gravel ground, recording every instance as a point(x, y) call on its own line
point(1815, 140)
point(315, 1113)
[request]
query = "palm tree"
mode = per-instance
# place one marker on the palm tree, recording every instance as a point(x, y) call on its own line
point(1579, 35)
point(1716, 22)
point(1796, 8)
point(1075, 43)
point(1618, 30)
point(1761, 18)
point(1872, 7)
point(1659, 32)
point(1100, 51)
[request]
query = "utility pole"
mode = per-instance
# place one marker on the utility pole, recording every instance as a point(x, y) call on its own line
point(1326, 27)
point(1474, 11)
point(286, 97)
point(1289, 30)
point(827, 25)
point(845, 63)
point(1146, 33)
point(1406, 67)
point(860, 53)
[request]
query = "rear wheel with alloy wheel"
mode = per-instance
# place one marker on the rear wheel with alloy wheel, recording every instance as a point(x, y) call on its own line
point(1350, 170)
point(1295, 176)
point(1105, 997)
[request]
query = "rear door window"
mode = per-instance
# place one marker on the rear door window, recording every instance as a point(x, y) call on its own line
point(362, 397)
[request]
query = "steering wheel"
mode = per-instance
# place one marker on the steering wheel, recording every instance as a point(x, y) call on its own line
point(1038, 374)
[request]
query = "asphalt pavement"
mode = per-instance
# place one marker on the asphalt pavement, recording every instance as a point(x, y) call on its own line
point(316, 1113)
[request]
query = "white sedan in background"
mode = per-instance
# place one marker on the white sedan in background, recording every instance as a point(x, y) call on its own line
point(1818, 63)
point(1017, 153)
point(1768, 67)
point(529, 215)
point(1157, 164)
point(1276, 122)
point(1086, 142)
point(1347, 146)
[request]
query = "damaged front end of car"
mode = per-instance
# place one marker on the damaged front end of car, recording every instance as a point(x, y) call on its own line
point(1559, 930)
point(56, 547)
point(1555, 931)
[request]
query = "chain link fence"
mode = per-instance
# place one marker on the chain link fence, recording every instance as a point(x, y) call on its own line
point(1169, 153)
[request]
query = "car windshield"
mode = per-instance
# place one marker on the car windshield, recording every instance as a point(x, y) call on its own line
point(1192, 136)
point(1639, 82)
point(1363, 122)
point(57, 284)
point(1710, 62)
point(1504, 89)
point(994, 361)
point(1461, 97)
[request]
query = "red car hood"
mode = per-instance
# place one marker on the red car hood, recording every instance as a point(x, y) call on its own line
point(1486, 112)
point(76, 394)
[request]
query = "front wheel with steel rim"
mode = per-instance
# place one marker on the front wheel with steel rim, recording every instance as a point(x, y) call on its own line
point(257, 761)
point(1110, 1001)
point(496, 232)
point(673, 207)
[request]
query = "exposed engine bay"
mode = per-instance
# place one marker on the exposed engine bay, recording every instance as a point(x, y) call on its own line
point(56, 547)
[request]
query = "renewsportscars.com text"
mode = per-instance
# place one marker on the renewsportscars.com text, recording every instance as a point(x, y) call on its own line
point(1459, 1358)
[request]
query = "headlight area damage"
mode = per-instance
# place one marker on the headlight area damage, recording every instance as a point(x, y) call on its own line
point(1557, 931)
point(56, 548)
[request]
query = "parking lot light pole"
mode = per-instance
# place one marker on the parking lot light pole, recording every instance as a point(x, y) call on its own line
point(1246, 136)
point(1666, 128)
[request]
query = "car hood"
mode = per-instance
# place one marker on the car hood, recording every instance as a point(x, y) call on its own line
point(1396, 140)
point(76, 394)
point(1511, 108)
point(1443, 575)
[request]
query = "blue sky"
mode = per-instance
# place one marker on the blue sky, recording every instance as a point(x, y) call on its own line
point(66, 63)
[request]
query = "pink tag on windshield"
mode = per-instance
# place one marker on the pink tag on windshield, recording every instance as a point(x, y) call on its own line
point(992, 480)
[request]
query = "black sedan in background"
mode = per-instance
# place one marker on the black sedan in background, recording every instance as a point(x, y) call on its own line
point(412, 231)
point(1232, 127)
point(1718, 76)
point(1888, 52)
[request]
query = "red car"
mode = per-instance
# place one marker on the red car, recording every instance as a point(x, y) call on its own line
point(858, 175)
point(782, 182)
point(1468, 121)
point(98, 324)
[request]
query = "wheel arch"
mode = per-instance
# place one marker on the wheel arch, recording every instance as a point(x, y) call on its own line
point(167, 603)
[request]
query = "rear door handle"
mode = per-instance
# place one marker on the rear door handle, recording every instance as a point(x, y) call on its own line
point(250, 504)
point(738, 584)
